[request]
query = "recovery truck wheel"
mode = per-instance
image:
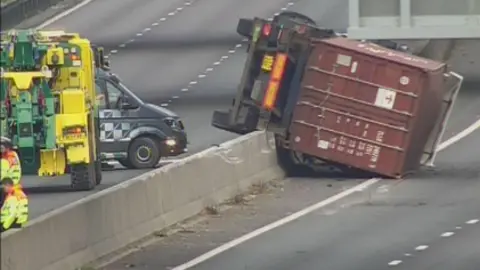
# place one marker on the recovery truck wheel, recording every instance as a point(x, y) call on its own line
point(98, 162)
point(83, 176)
point(143, 153)
point(98, 171)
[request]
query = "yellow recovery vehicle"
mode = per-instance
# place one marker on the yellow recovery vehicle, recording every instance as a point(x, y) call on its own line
point(48, 104)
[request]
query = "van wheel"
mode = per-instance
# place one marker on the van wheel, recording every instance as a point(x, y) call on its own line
point(144, 153)
point(126, 163)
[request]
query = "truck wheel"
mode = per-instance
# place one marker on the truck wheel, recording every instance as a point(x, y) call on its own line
point(144, 153)
point(291, 169)
point(291, 15)
point(82, 176)
point(98, 171)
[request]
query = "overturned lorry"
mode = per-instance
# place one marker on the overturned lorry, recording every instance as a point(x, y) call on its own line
point(332, 102)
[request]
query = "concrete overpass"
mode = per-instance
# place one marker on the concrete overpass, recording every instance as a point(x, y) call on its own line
point(418, 19)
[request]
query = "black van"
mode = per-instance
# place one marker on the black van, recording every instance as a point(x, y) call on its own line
point(132, 132)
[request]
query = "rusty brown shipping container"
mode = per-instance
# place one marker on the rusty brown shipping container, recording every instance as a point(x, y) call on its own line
point(367, 107)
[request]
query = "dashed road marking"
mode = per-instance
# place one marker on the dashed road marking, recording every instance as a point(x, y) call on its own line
point(395, 263)
point(447, 234)
point(207, 70)
point(473, 221)
point(425, 247)
point(421, 248)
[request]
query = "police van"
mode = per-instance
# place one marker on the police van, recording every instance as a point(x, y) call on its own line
point(135, 133)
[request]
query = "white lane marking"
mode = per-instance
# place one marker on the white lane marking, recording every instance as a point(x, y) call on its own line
point(216, 63)
point(464, 133)
point(421, 248)
point(171, 13)
point(193, 82)
point(447, 234)
point(163, 19)
point(63, 14)
point(164, 104)
point(208, 69)
point(231, 51)
point(394, 263)
point(122, 45)
point(155, 24)
point(238, 45)
point(202, 76)
point(185, 90)
point(458, 228)
point(214, 252)
point(290, 4)
point(139, 34)
point(275, 224)
point(113, 51)
point(473, 221)
point(147, 29)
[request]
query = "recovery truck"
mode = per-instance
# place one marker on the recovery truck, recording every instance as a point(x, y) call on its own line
point(48, 106)
point(315, 91)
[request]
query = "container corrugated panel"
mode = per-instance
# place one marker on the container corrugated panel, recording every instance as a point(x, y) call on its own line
point(366, 106)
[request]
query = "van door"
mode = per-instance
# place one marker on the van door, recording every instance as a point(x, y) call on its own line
point(115, 123)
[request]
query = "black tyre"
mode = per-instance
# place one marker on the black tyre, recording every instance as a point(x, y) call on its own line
point(82, 176)
point(144, 152)
point(98, 171)
point(291, 15)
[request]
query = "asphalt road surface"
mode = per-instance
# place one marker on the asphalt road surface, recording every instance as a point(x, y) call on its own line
point(428, 221)
point(184, 55)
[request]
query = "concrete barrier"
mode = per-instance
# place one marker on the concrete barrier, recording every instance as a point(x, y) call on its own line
point(104, 222)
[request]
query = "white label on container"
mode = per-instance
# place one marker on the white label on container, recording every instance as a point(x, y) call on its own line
point(344, 60)
point(404, 80)
point(385, 98)
point(323, 144)
point(354, 67)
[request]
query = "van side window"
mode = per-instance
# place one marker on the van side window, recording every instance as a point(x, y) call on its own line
point(113, 94)
point(101, 99)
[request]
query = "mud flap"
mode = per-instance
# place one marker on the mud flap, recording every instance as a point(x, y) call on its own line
point(52, 162)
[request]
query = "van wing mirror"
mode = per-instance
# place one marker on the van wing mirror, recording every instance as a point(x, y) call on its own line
point(126, 103)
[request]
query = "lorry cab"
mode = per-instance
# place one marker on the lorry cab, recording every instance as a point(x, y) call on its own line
point(135, 133)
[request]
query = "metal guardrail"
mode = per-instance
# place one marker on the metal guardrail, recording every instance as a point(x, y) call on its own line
point(14, 13)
